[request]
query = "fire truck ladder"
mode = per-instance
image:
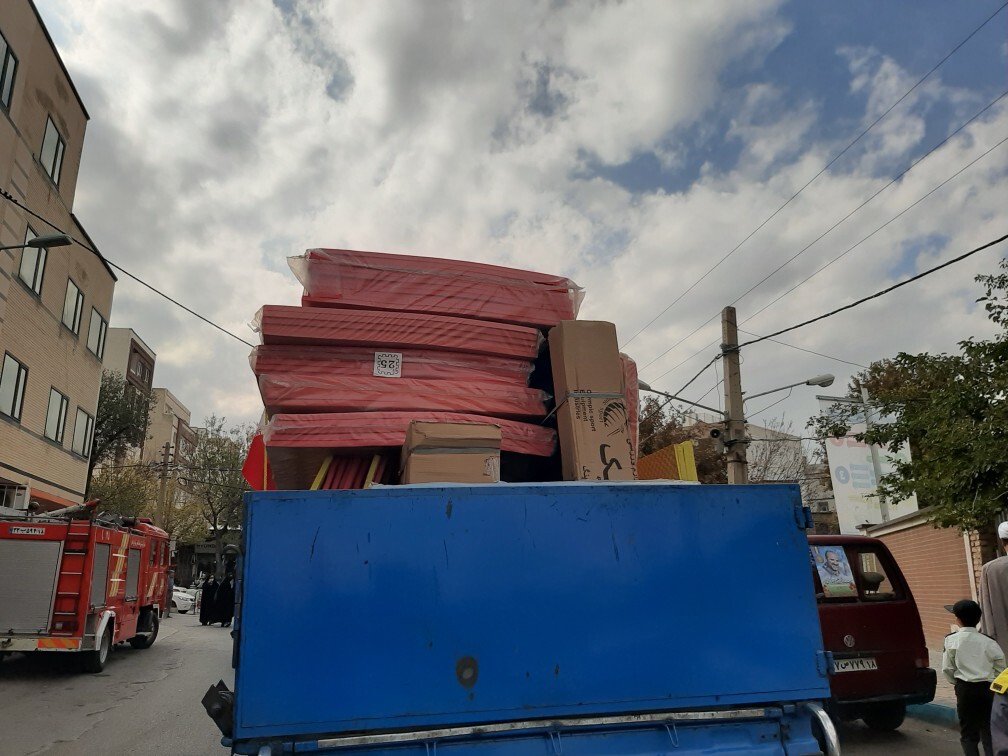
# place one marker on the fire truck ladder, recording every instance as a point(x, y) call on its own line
point(70, 589)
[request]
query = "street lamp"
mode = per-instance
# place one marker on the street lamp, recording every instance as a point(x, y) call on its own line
point(826, 379)
point(43, 242)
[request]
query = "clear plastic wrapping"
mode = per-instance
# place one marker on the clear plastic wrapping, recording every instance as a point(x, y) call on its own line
point(375, 280)
point(379, 329)
point(315, 393)
point(376, 430)
point(418, 364)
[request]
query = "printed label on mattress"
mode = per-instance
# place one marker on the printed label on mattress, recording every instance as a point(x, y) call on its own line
point(388, 364)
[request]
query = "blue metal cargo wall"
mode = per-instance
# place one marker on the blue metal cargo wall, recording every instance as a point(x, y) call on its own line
point(417, 606)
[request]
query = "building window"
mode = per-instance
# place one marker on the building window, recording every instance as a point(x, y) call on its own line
point(56, 416)
point(52, 151)
point(83, 428)
point(96, 334)
point(73, 306)
point(12, 385)
point(8, 67)
point(32, 263)
point(141, 370)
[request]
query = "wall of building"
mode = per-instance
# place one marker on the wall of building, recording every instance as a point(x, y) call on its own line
point(934, 562)
point(31, 327)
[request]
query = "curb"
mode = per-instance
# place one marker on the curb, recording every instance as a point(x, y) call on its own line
point(936, 713)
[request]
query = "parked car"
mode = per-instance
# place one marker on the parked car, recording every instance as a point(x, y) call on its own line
point(871, 625)
point(182, 600)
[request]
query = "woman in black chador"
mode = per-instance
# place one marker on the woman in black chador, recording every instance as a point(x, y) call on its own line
point(208, 601)
point(225, 601)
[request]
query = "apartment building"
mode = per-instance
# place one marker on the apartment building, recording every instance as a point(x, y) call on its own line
point(54, 302)
point(127, 354)
point(169, 424)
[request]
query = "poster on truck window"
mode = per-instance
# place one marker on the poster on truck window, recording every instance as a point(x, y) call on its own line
point(834, 571)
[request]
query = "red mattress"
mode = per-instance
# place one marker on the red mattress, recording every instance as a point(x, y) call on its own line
point(406, 283)
point(280, 324)
point(313, 392)
point(416, 364)
point(372, 430)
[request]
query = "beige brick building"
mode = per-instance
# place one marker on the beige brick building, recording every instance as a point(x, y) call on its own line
point(169, 424)
point(55, 303)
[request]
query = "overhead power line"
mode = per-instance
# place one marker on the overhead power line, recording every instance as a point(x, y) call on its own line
point(866, 238)
point(10, 198)
point(877, 294)
point(820, 173)
point(713, 317)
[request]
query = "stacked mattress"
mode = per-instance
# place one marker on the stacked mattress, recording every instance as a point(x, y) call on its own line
point(382, 340)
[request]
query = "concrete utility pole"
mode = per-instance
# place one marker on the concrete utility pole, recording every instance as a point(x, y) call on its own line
point(162, 507)
point(735, 418)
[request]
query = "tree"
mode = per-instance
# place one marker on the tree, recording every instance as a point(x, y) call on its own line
point(953, 411)
point(120, 423)
point(659, 428)
point(128, 490)
point(214, 478)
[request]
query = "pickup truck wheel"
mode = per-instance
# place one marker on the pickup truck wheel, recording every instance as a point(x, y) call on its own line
point(94, 661)
point(884, 717)
point(146, 641)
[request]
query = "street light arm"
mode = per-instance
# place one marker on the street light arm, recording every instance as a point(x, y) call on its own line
point(820, 380)
point(644, 386)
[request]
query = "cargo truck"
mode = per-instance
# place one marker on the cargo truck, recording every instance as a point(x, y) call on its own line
point(555, 618)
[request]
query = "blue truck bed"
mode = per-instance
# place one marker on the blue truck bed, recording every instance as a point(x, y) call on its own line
point(526, 618)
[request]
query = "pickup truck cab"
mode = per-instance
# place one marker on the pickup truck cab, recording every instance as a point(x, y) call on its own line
point(871, 625)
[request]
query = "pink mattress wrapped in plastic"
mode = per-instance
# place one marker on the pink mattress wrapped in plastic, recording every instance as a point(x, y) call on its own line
point(375, 430)
point(280, 324)
point(414, 364)
point(313, 392)
point(347, 278)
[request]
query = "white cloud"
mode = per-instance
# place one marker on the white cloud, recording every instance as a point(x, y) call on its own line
point(227, 136)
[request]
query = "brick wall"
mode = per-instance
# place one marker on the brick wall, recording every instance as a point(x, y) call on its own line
point(933, 560)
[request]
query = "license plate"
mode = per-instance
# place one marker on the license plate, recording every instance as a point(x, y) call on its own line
point(862, 664)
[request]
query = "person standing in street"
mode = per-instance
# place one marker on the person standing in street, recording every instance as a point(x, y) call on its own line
point(169, 592)
point(994, 594)
point(208, 600)
point(225, 601)
point(971, 661)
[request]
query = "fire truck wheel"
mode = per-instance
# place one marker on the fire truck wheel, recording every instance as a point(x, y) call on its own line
point(94, 661)
point(146, 641)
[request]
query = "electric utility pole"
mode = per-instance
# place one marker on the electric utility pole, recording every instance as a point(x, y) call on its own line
point(162, 508)
point(735, 425)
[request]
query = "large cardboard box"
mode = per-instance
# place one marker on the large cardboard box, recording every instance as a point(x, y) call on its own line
point(451, 453)
point(592, 418)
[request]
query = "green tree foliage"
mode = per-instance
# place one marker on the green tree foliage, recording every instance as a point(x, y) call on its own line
point(953, 410)
point(121, 421)
point(660, 427)
point(128, 490)
point(214, 478)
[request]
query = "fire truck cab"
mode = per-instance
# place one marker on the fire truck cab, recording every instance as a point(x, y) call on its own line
point(80, 585)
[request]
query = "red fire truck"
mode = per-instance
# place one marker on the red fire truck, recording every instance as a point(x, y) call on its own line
point(74, 581)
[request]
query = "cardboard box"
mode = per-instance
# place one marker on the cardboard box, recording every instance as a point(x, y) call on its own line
point(592, 418)
point(451, 453)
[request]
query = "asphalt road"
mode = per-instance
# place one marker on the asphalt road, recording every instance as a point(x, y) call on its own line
point(914, 737)
point(148, 702)
point(145, 702)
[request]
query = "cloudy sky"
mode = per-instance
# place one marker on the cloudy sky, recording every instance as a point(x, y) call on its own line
point(628, 145)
